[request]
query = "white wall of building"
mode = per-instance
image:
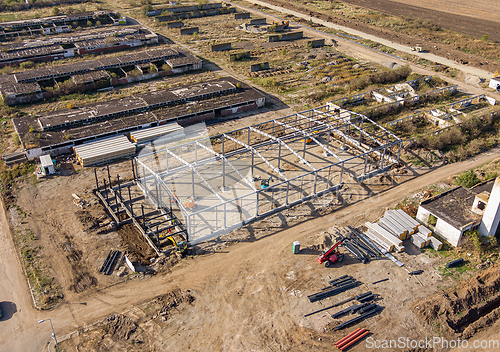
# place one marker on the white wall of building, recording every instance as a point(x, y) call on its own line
point(491, 217)
point(442, 228)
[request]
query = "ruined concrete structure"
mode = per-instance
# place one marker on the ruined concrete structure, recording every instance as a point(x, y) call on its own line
point(56, 24)
point(65, 46)
point(58, 131)
point(24, 87)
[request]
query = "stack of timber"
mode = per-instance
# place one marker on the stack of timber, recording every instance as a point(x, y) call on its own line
point(104, 150)
point(165, 133)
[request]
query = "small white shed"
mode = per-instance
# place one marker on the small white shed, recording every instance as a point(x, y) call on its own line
point(47, 167)
point(495, 83)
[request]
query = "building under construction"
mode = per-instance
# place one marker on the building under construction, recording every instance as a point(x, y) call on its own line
point(216, 184)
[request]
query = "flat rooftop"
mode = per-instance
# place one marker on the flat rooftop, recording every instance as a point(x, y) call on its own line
point(97, 64)
point(54, 19)
point(454, 206)
point(96, 33)
point(71, 133)
point(137, 103)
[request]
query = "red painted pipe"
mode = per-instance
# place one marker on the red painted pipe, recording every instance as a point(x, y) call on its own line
point(350, 338)
point(355, 340)
point(347, 336)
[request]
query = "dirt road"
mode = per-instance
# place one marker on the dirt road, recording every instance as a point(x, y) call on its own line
point(21, 333)
point(402, 48)
point(18, 327)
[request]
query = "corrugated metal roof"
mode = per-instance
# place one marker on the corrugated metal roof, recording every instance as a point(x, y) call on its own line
point(46, 160)
point(104, 150)
point(155, 132)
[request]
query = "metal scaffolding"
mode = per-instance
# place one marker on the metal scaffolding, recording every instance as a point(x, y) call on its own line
point(304, 154)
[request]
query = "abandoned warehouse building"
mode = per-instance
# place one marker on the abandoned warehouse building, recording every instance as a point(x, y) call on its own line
point(93, 41)
point(57, 132)
point(37, 84)
point(13, 30)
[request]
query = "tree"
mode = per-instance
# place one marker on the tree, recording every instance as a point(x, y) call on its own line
point(56, 11)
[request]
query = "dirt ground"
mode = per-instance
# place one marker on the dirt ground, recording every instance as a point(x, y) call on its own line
point(483, 23)
point(449, 51)
point(472, 306)
point(251, 301)
point(482, 9)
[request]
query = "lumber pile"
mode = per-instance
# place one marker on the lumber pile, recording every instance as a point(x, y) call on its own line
point(394, 227)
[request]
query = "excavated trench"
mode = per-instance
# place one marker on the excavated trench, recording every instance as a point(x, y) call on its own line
point(474, 314)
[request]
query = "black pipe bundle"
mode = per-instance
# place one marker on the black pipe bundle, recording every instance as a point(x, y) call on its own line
point(332, 292)
point(359, 318)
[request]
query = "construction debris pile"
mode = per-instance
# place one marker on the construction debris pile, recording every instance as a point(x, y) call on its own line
point(394, 227)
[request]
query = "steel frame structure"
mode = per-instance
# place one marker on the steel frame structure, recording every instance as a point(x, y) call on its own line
point(224, 213)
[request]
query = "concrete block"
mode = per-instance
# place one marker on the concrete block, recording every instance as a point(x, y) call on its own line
point(408, 218)
point(275, 28)
point(396, 219)
point(317, 43)
point(190, 30)
point(221, 47)
point(435, 243)
point(379, 241)
point(395, 230)
point(287, 36)
point(177, 24)
point(258, 21)
point(242, 15)
point(384, 233)
point(239, 56)
point(259, 67)
point(424, 231)
point(418, 241)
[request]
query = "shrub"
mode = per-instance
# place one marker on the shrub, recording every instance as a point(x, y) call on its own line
point(432, 220)
point(27, 64)
point(467, 179)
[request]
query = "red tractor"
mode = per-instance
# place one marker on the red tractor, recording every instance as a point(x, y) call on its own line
point(332, 255)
